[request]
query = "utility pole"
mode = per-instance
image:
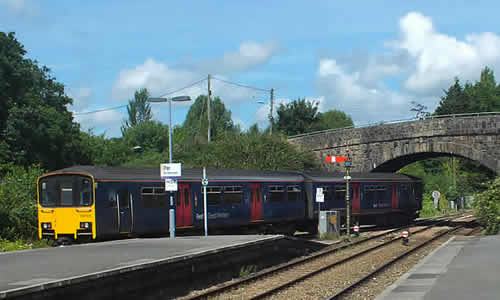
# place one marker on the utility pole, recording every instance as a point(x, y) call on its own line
point(208, 107)
point(347, 195)
point(271, 115)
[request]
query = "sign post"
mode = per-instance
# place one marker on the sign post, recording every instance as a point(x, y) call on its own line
point(320, 198)
point(169, 172)
point(204, 182)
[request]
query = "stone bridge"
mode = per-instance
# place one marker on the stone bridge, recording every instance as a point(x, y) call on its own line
point(389, 147)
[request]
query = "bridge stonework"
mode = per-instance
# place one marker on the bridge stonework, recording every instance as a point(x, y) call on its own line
point(389, 147)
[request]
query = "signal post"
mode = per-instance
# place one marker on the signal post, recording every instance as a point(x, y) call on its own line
point(347, 162)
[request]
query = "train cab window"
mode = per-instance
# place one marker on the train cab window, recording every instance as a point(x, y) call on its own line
point(293, 192)
point(47, 196)
point(153, 197)
point(233, 195)
point(214, 195)
point(276, 193)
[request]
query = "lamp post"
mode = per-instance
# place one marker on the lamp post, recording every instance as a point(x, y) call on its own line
point(171, 211)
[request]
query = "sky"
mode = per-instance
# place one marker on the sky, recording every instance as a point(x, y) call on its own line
point(370, 59)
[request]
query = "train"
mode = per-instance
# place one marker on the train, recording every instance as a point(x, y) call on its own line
point(97, 203)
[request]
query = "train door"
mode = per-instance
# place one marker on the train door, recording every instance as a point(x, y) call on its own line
point(124, 211)
point(184, 206)
point(355, 198)
point(255, 202)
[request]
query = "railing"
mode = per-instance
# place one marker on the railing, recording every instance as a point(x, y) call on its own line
point(423, 118)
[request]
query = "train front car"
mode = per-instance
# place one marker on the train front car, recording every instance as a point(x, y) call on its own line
point(66, 207)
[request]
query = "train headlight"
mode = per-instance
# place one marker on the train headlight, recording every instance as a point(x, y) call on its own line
point(46, 225)
point(85, 225)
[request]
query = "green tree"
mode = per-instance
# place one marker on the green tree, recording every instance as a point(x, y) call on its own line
point(299, 116)
point(149, 135)
point(138, 109)
point(333, 119)
point(35, 125)
point(18, 209)
point(487, 206)
point(196, 123)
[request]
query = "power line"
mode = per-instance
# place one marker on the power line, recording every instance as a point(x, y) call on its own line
point(242, 85)
point(183, 88)
point(100, 110)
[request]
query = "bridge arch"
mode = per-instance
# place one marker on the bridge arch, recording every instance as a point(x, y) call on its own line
point(388, 147)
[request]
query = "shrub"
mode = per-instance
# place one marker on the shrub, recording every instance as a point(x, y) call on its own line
point(18, 210)
point(487, 205)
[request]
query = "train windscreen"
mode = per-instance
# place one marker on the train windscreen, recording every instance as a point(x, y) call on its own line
point(65, 191)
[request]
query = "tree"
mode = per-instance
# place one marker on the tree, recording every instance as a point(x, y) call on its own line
point(487, 206)
point(35, 125)
point(150, 136)
point(196, 122)
point(333, 119)
point(138, 109)
point(482, 96)
point(419, 109)
point(299, 116)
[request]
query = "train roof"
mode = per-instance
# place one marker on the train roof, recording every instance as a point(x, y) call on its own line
point(327, 176)
point(153, 174)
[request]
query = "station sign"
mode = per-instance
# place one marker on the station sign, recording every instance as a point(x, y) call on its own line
point(170, 185)
point(170, 170)
point(320, 197)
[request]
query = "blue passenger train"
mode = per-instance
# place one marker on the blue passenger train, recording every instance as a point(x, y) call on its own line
point(105, 202)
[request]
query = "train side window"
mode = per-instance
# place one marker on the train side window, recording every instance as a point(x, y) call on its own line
point(214, 194)
point(293, 192)
point(276, 193)
point(123, 197)
point(233, 195)
point(153, 197)
point(340, 192)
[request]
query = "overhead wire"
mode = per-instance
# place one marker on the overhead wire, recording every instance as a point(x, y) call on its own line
point(125, 105)
point(242, 85)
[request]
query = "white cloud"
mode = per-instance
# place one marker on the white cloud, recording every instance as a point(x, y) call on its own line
point(21, 7)
point(440, 57)
point(14, 5)
point(249, 54)
point(81, 98)
point(261, 116)
point(106, 121)
point(424, 60)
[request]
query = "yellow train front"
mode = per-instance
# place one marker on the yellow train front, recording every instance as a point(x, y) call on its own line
point(66, 207)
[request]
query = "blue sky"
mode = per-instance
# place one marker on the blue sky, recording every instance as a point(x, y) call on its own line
point(365, 58)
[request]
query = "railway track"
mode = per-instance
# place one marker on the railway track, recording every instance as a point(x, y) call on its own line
point(271, 281)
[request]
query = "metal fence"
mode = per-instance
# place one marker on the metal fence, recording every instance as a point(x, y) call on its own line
point(423, 118)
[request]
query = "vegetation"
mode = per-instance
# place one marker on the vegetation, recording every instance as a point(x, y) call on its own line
point(487, 205)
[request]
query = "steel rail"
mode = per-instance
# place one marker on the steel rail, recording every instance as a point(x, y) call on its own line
point(392, 261)
point(267, 272)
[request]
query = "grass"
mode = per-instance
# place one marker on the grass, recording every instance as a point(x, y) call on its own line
point(6, 245)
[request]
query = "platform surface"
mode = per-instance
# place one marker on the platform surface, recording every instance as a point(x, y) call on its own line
point(463, 268)
point(24, 269)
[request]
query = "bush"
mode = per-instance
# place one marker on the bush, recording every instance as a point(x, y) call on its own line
point(487, 205)
point(18, 208)
point(428, 209)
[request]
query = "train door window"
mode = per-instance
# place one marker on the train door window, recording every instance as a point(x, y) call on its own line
point(123, 198)
point(233, 195)
point(186, 197)
point(66, 194)
point(276, 193)
point(293, 192)
point(178, 199)
point(340, 192)
point(112, 200)
point(214, 194)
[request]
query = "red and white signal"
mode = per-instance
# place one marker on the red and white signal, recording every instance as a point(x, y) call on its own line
point(334, 159)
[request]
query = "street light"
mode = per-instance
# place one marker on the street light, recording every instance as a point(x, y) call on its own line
point(171, 211)
point(169, 100)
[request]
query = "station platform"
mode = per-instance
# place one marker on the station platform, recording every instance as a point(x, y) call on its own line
point(462, 268)
point(31, 271)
